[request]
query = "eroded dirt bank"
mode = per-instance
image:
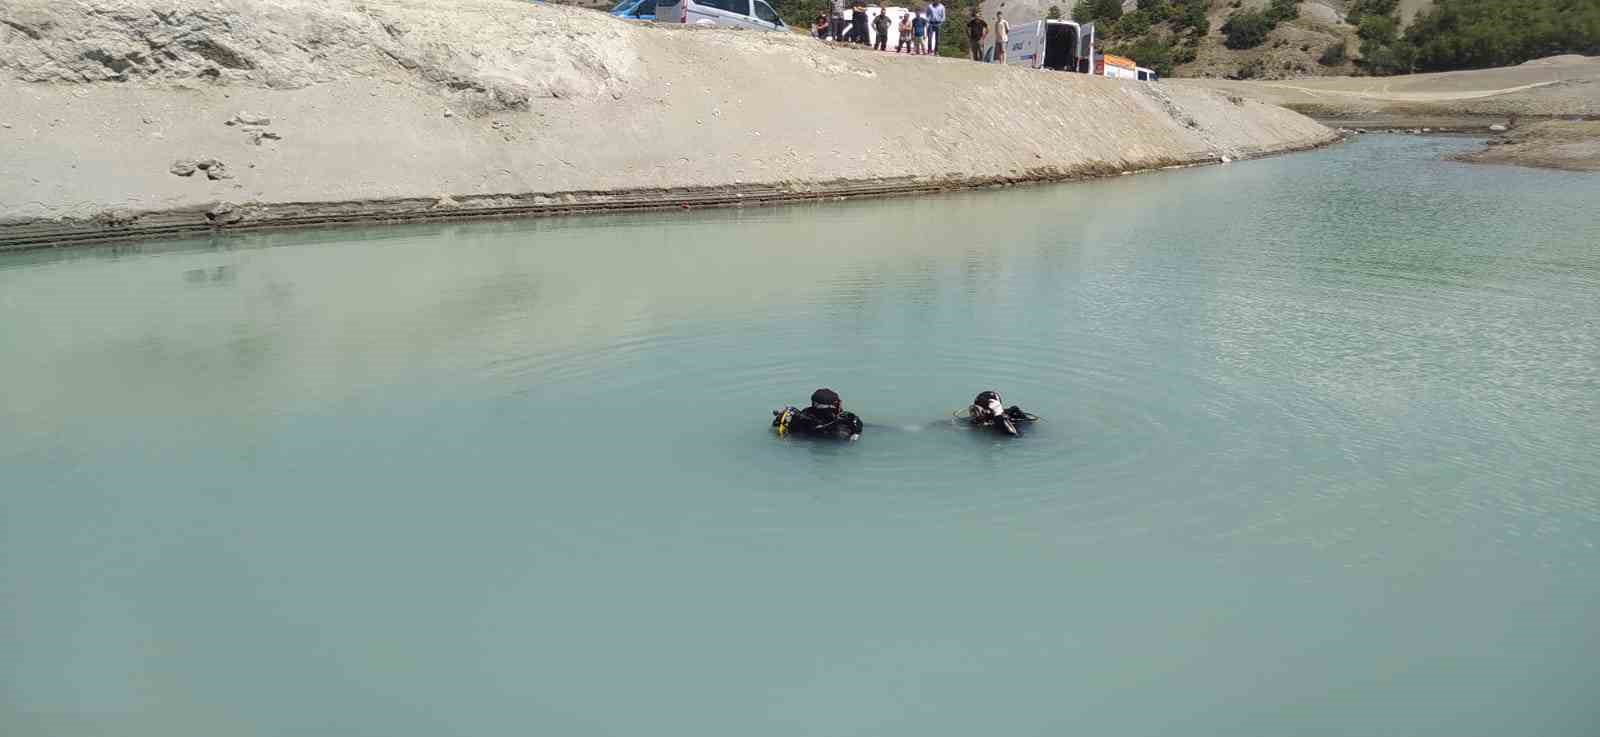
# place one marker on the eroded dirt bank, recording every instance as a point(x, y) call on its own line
point(129, 117)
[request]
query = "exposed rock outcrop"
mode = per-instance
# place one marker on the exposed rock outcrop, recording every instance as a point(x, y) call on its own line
point(512, 57)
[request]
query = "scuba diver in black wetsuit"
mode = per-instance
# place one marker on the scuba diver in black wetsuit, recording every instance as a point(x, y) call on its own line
point(988, 410)
point(825, 418)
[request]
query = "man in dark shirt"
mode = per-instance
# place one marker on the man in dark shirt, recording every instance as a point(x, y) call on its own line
point(976, 28)
point(825, 418)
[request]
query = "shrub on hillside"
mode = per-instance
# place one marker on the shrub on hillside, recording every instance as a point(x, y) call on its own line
point(1399, 58)
point(1157, 10)
point(1335, 55)
point(1283, 10)
point(1087, 11)
point(1379, 29)
point(1184, 53)
point(1192, 17)
point(1250, 70)
point(1362, 8)
point(1150, 52)
point(1132, 25)
point(1246, 29)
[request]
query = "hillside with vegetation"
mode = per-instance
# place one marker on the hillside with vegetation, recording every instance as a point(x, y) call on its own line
point(1278, 39)
point(1247, 39)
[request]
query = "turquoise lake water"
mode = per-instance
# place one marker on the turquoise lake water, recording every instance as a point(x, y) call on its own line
point(1319, 457)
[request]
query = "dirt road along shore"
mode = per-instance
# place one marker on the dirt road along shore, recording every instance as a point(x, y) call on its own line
point(1562, 86)
point(138, 117)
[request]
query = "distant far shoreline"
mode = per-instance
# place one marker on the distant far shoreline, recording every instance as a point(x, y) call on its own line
point(1558, 87)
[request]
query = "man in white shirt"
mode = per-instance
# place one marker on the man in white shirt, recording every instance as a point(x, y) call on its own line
point(935, 22)
point(1002, 34)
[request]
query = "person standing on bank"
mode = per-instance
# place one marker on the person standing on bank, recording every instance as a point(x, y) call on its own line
point(976, 29)
point(935, 22)
point(919, 28)
point(880, 26)
point(904, 44)
point(1002, 34)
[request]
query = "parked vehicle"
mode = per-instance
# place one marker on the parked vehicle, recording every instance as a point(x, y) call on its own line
point(635, 9)
point(1116, 67)
point(1051, 44)
point(736, 13)
point(1147, 74)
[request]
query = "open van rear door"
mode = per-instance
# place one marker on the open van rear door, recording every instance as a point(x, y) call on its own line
point(1026, 48)
point(1086, 48)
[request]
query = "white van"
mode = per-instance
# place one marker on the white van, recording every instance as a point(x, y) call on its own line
point(1051, 44)
point(1146, 74)
point(737, 13)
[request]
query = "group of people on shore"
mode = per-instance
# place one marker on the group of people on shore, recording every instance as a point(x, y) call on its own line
point(918, 30)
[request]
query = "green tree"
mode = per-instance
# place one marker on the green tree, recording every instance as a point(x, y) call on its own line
point(1096, 11)
point(1472, 34)
point(1283, 10)
point(1391, 59)
point(800, 13)
point(1155, 53)
point(1192, 18)
point(1160, 11)
point(1132, 25)
point(1246, 29)
point(1379, 29)
point(1107, 9)
point(1362, 8)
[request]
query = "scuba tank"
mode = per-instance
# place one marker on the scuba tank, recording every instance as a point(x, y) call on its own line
point(781, 419)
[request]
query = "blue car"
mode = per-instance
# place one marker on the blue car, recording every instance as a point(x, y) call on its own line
point(635, 9)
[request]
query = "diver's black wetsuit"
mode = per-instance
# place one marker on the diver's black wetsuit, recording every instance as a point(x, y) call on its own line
point(982, 414)
point(821, 422)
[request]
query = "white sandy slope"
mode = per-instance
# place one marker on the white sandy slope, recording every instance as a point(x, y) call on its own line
point(462, 102)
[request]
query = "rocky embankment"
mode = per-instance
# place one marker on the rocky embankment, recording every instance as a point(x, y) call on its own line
point(1559, 144)
point(146, 117)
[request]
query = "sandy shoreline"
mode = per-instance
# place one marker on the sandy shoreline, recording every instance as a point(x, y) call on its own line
point(403, 109)
point(115, 226)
